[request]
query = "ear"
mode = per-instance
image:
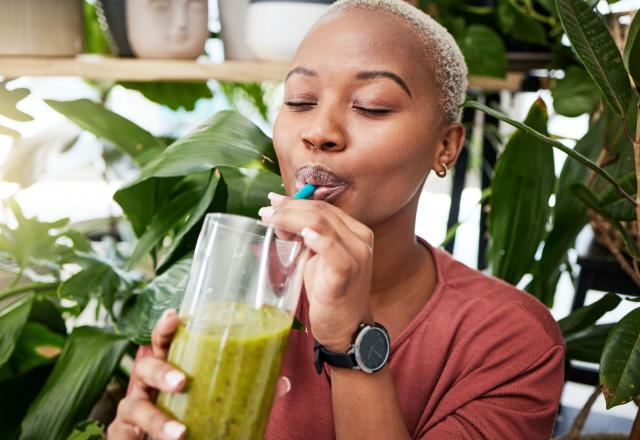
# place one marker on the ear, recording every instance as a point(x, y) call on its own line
point(449, 146)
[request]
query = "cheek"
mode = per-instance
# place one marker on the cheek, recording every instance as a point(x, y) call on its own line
point(283, 144)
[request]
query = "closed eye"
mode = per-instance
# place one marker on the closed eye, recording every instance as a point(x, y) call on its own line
point(299, 105)
point(372, 111)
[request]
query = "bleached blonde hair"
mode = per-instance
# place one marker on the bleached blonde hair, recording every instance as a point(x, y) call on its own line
point(447, 61)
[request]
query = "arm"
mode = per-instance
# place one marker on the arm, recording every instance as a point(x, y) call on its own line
point(337, 280)
point(366, 406)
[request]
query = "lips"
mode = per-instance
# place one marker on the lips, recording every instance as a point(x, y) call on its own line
point(329, 185)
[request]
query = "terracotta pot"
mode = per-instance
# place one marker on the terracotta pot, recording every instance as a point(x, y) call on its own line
point(167, 28)
point(276, 28)
point(41, 27)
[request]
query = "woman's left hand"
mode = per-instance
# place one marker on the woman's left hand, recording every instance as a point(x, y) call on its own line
point(337, 277)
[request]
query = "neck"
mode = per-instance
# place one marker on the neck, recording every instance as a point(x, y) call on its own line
point(399, 259)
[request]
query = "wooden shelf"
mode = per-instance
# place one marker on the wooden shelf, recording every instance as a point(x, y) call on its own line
point(137, 69)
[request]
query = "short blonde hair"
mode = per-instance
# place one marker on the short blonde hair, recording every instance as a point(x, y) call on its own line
point(450, 68)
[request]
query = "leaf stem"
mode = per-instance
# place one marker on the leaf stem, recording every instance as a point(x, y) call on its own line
point(35, 287)
point(556, 144)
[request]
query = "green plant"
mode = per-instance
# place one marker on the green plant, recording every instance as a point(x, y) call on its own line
point(226, 165)
point(601, 177)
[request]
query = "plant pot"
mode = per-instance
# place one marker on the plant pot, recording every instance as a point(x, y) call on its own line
point(167, 29)
point(41, 27)
point(276, 28)
point(113, 20)
point(233, 25)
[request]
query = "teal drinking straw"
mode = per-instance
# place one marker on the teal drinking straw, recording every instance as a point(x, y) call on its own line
point(305, 192)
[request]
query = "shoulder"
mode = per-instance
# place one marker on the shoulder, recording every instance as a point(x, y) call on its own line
point(487, 311)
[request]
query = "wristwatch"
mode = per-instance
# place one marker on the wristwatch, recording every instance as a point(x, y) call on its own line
point(368, 352)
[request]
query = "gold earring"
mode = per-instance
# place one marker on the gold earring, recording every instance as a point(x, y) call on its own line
point(443, 172)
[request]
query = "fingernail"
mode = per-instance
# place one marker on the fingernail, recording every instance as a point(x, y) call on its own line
point(309, 233)
point(167, 312)
point(275, 197)
point(173, 378)
point(266, 211)
point(173, 429)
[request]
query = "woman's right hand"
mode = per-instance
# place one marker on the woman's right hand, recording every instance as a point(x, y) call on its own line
point(137, 414)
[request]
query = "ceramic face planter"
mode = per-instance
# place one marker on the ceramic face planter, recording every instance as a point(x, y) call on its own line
point(276, 28)
point(167, 28)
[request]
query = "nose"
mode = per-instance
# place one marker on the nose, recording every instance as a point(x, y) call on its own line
point(324, 132)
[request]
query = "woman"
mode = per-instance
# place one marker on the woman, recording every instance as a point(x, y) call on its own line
point(371, 108)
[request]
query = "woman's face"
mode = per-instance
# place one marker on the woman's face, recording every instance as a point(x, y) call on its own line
point(361, 116)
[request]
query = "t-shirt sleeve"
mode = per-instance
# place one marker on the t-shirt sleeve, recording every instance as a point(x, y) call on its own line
point(523, 406)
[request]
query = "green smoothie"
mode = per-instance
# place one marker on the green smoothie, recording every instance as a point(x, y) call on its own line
point(232, 355)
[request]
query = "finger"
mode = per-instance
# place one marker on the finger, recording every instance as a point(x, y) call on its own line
point(155, 373)
point(283, 386)
point(146, 416)
point(163, 333)
point(119, 430)
point(363, 231)
point(335, 256)
point(293, 215)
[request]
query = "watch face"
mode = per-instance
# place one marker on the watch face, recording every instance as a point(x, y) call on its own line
point(372, 349)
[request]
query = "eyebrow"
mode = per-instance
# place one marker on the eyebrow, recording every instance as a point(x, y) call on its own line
point(364, 76)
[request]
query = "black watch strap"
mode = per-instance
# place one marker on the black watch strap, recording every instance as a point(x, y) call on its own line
point(341, 360)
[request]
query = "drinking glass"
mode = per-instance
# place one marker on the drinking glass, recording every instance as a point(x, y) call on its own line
point(235, 319)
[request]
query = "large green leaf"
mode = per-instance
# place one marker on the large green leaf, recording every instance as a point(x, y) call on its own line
point(154, 192)
point(8, 101)
point(628, 183)
point(86, 364)
point(569, 216)
point(484, 51)
point(93, 117)
point(620, 148)
point(554, 143)
point(587, 345)
point(248, 189)
point(99, 278)
point(590, 199)
point(176, 212)
point(184, 241)
point(144, 309)
point(520, 190)
point(13, 317)
point(173, 94)
point(631, 55)
point(36, 346)
point(227, 139)
point(575, 94)
point(620, 363)
point(31, 240)
point(588, 315)
point(596, 49)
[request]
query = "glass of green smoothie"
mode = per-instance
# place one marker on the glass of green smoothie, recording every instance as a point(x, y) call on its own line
point(235, 318)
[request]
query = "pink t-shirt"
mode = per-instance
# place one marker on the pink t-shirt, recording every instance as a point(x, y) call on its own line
point(481, 360)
